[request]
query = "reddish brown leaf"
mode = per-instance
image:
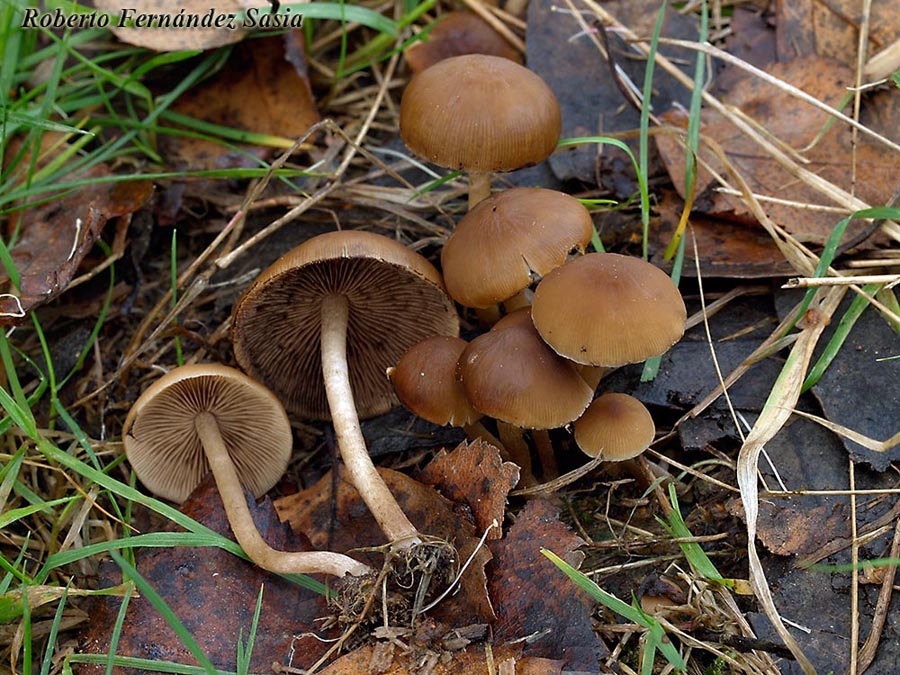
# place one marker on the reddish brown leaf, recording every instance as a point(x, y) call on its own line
point(214, 594)
point(533, 597)
point(339, 521)
point(56, 236)
point(475, 475)
point(796, 124)
point(263, 88)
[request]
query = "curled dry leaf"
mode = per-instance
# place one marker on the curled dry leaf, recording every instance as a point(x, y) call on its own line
point(54, 238)
point(214, 594)
point(475, 475)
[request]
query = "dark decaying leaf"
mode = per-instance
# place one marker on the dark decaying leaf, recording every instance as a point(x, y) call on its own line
point(591, 103)
point(214, 594)
point(859, 373)
point(534, 600)
point(264, 88)
point(796, 124)
point(475, 475)
point(56, 236)
point(785, 530)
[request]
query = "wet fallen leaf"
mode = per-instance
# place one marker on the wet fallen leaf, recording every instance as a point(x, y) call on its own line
point(55, 237)
point(454, 34)
point(796, 124)
point(474, 474)
point(264, 88)
point(214, 594)
point(534, 600)
point(751, 39)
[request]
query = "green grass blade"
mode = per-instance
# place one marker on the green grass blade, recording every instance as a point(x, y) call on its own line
point(116, 634)
point(146, 665)
point(644, 138)
point(54, 632)
point(611, 602)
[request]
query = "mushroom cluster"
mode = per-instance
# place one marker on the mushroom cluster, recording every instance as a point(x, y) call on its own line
point(538, 367)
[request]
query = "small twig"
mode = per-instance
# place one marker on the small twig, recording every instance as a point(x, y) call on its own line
point(867, 652)
point(808, 282)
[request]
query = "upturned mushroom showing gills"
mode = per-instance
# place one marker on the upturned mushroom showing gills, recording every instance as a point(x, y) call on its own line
point(321, 326)
point(508, 239)
point(202, 418)
point(606, 309)
point(480, 114)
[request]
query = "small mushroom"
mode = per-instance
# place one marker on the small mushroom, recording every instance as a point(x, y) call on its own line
point(454, 34)
point(199, 418)
point(322, 324)
point(480, 114)
point(427, 382)
point(615, 427)
point(508, 239)
point(606, 309)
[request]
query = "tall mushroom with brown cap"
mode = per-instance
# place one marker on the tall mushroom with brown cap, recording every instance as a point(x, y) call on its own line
point(508, 239)
point(480, 114)
point(615, 427)
point(199, 418)
point(606, 309)
point(322, 324)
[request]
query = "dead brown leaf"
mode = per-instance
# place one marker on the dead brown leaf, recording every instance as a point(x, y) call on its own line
point(214, 594)
point(56, 236)
point(798, 530)
point(264, 88)
point(830, 28)
point(534, 600)
point(796, 125)
point(175, 38)
point(395, 660)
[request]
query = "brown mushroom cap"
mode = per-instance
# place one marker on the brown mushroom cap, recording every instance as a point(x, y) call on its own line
point(606, 309)
point(615, 427)
point(480, 113)
point(500, 245)
point(163, 446)
point(396, 299)
point(427, 383)
point(454, 34)
point(510, 374)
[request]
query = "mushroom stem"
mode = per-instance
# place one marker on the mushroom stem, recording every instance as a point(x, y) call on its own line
point(281, 562)
point(546, 456)
point(479, 187)
point(476, 430)
point(365, 478)
point(514, 441)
